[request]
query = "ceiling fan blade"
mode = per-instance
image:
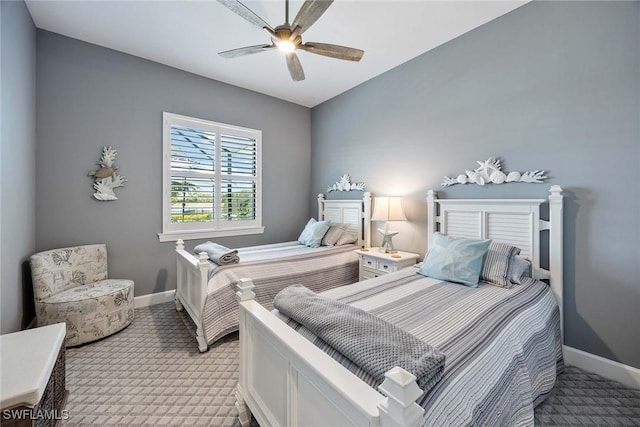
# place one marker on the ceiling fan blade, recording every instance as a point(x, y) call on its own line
point(234, 53)
point(308, 14)
point(241, 10)
point(295, 67)
point(333, 51)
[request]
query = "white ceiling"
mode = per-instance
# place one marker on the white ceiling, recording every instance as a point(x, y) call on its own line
point(189, 34)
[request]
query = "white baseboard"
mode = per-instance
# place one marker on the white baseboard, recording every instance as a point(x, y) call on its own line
point(625, 374)
point(153, 299)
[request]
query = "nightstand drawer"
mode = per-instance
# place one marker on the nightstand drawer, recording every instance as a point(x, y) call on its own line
point(369, 274)
point(369, 262)
point(386, 266)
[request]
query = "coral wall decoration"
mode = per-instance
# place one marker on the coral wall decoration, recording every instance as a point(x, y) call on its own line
point(490, 171)
point(106, 177)
point(345, 184)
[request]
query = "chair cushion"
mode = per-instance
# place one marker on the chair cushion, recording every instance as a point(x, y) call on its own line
point(91, 311)
point(58, 270)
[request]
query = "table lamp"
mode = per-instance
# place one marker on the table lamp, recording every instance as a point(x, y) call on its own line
point(388, 209)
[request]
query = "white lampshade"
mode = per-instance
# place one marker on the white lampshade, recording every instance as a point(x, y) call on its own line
point(388, 209)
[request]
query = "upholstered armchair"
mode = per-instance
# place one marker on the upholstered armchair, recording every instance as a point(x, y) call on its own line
point(71, 285)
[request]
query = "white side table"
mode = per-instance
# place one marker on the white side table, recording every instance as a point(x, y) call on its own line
point(375, 262)
point(32, 376)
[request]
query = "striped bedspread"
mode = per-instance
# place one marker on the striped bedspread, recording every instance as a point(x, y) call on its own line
point(273, 268)
point(502, 346)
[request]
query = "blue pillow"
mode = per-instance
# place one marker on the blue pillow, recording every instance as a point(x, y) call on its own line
point(313, 233)
point(455, 259)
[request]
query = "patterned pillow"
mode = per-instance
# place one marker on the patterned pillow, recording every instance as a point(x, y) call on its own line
point(455, 259)
point(496, 269)
point(313, 233)
point(334, 233)
point(520, 270)
point(347, 239)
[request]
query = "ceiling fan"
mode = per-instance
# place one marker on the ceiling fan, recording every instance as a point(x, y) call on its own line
point(287, 37)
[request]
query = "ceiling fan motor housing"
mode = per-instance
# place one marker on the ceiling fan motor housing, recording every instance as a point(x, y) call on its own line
point(283, 32)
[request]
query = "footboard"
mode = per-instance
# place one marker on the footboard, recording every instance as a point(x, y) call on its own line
point(287, 381)
point(191, 288)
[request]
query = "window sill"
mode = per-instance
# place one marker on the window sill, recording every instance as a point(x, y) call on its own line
point(192, 235)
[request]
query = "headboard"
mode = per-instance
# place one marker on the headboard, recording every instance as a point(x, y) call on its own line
point(354, 212)
point(513, 221)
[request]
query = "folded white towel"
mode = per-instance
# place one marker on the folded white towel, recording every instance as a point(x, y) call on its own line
point(219, 254)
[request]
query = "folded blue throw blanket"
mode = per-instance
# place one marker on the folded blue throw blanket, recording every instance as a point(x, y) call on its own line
point(219, 254)
point(370, 342)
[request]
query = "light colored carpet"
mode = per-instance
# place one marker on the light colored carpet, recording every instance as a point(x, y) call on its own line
point(151, 374)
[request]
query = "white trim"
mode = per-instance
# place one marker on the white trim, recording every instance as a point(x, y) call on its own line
point(175, 236)
point(153, 299)
point(625, 374)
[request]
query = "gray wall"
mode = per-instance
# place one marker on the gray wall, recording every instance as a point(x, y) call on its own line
point(551, 85)
point(89, 96)
point(17, 161)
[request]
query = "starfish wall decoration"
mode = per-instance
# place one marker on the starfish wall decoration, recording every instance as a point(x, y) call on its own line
point(490, 172)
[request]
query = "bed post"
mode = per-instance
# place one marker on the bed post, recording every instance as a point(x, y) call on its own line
point(179, 247)
point(431, 216)
point(203, 265)
point(244, 293)
point(555, 249)
point(366, 200)
point(400, 407)
point(320, 206)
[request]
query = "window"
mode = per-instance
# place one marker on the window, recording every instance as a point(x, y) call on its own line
point(211, 180)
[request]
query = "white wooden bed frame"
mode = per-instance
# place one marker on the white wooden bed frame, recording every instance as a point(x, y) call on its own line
point(193, 272)
point(285, 380)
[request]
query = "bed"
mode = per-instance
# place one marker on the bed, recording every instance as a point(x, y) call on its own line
point(503, 346)
point(207, 291)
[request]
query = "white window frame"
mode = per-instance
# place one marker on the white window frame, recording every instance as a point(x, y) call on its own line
point(217, 228)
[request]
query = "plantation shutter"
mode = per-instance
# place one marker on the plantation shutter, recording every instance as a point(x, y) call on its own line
point(192, 175)
point(213, 178)
point(238, 167)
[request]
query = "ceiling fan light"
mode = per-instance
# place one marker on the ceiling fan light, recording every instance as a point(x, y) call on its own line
point(286, 46)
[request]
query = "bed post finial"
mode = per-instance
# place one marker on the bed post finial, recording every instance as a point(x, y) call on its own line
point(555, 249)
point(400, 407)
point(245, 290)
point(179, 245)
point(432, 219)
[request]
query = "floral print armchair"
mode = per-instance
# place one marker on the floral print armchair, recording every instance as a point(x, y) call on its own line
point(71, 285)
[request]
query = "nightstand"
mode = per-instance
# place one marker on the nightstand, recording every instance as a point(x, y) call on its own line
point(375, 262)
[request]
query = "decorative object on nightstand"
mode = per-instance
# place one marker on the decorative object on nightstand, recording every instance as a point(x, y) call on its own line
point(376, 263)
point(388, 209)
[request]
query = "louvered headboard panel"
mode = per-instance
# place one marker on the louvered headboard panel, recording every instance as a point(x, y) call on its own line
point(516, 222)
point(356, 213)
